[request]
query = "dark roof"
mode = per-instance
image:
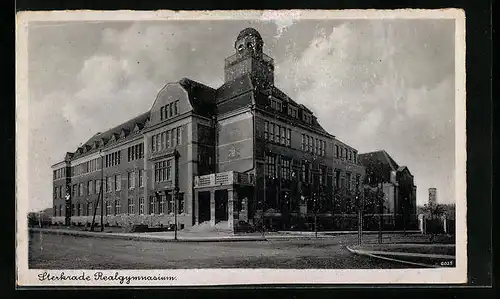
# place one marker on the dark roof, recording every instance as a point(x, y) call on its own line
point(201, 96)
point(128, 126)
point(234, 88)
point(249, 31)
point(379, 163)
point(381, 156)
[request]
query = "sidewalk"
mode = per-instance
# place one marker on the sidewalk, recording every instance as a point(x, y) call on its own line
point(154, 236)
point(402, 257)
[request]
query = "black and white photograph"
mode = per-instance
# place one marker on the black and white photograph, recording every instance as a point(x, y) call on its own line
point(246, 147)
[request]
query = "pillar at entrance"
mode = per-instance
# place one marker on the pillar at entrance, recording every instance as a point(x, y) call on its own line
point(212, 207)
point(232, 196)
point(196, 208)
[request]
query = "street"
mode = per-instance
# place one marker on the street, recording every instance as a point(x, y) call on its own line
point(49, 251)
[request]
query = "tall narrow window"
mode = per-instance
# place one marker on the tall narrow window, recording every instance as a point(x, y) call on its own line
point(153, 144)
point(118, 182)
point(171, 109)
point(169, 170)
point(152, 200)
point(176, 107)
point(288, 137)
point(108, 208)
point(179, 135)
point(118, 207)
point(276, 133)
point(283, 135)
point(173, 134)
point(130, 209)
point(266, 130)
point(141, 205)
point(131, 179)
point(141, 178)
point(162, 112)
point(161, 207)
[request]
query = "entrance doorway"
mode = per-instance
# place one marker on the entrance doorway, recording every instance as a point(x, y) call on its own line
point(203, 206)
point(221, 208)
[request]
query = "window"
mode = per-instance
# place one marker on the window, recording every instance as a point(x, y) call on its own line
point(355, 157)
point(169, 139)
point(141, 205)
point(131, 179)
point(118, 182)
point(266, 130)
point(97, 186)
point(160, 171)
point(89, 209)
point(303, 172)
point(173, 135)
point(337, 178)
point(163, 141)
point(162, 113)
point(108, 208)
point(61, 192)
point(176, 107)
point(348, 181)
point(152, 205)
point(78, 209)
point(283, 135)
point(161, 207)
point(153, 144)
point(286, 169)
point(135, 152)
point(169, 170)
point(170, 110)
point(90, 185)
point(170, 203)
point(311, 141)
point(80, 189)
point(292, 111)
point(141, 178)
point(336, 151)
point(179, 135)
point(117, 207)
point(108, 184)
point(55, 192)
point(131, 206)
point(271, 166)
point(276, 104)
point(288, 137)
point(303, 144)
point(276, 133)
point(73, 193)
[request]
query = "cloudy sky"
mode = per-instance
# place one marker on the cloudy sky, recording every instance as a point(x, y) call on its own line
point(375, 84)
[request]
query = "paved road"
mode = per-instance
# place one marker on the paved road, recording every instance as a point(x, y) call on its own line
point(49, 251)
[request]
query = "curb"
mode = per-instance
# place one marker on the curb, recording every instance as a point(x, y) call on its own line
point(365, 253)
point(143, 238)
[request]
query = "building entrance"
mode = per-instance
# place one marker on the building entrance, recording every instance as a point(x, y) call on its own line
point(204, 206)
point(221, 207)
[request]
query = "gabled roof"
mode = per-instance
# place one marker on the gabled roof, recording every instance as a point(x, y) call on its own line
point(380, 163)
point(103, 138)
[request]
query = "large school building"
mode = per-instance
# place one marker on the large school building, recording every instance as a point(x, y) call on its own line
point(230, 155)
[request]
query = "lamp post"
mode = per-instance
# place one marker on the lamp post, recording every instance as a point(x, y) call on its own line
point(176, 191)
point(102, 193)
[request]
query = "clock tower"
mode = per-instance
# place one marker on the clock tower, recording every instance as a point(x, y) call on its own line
point(249, 59)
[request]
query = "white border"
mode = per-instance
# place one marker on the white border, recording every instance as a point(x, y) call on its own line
point(199, 277)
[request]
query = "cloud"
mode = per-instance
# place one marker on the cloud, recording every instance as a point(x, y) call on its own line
point(354, 78)
point(283, 20)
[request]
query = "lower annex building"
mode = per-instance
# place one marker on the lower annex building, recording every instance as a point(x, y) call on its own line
point(232, 152)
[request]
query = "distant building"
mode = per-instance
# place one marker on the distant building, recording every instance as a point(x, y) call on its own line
point(432, 195)
point(397, 183)
point(242, 148)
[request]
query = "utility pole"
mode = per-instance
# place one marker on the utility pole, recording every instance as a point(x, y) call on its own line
point(381, 211)
point(102, 193)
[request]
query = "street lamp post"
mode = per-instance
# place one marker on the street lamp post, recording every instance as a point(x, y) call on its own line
point(176, 191)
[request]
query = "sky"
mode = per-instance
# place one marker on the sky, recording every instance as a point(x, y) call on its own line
point(374, 84)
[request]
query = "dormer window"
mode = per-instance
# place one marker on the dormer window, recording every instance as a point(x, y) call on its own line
point(306, 117)
point(292, 111)
point(276, 104)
